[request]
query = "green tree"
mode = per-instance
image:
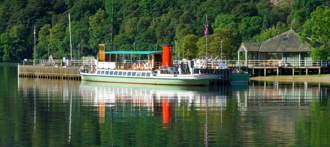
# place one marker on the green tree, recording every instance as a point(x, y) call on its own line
point(243, 10)
point(43, 42)
point(317, 30)
point(80, 37)
point(264, 8)
point(224, 21)
point(187, 47)
point(56, 46)
point(144, 6)
point(82, 9)
point(270, 32)
point(230, 43)
point(5, 46)
point(99, 29)
point(143, 24)
point(250, 26)
point(4, 16)
point(18, 43)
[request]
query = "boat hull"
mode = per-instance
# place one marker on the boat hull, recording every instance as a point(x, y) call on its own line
point(153, 81)
point(241, 78)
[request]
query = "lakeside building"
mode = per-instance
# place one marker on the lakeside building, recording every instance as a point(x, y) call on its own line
point(284, 51)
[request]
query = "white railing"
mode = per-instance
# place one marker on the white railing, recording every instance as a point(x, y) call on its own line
point(57, 62)
point(281, 63)
point(211, 64)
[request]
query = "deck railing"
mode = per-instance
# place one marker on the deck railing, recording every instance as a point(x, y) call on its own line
point(214, 64)
point(281, 63)
point(57, 62)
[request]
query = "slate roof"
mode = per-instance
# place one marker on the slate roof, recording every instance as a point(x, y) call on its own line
point(286, 42)
point(250, 47)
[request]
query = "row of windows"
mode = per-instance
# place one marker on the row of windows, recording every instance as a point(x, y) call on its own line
point(124, 73)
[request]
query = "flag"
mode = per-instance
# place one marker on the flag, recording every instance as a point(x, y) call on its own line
point(206, 29)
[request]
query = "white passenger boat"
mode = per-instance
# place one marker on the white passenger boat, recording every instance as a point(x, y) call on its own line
point(114, 67)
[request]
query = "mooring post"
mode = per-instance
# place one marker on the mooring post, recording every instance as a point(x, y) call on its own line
point(292, 71)
point(18, 70)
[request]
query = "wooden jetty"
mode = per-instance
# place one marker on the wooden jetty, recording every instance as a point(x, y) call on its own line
point(276, 67)
point(49, 72)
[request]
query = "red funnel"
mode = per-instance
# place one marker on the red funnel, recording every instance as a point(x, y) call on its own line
point(167, 56)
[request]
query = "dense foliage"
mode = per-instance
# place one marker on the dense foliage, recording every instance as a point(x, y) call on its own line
point(147, 24)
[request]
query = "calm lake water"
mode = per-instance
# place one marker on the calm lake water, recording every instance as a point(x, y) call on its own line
point(36, 112)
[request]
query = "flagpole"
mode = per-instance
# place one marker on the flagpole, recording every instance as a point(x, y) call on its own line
point(70, 36)
point(206, 46)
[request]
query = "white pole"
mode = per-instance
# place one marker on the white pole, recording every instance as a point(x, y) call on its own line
point(70, 37)
point(246, 58)
point(206, 46)
point(238, 54)
point(34, 45)
point(221, 51)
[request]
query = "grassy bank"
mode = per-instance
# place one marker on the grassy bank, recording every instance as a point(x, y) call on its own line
point(324, 78)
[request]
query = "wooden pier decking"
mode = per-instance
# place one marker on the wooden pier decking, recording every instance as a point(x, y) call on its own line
point(277, 67)
point(49, 72)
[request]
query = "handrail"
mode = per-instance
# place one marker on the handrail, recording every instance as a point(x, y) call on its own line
point(198, 63)
point(289, 63)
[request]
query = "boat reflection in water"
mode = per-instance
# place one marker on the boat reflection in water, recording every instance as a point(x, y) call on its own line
point(148, 99)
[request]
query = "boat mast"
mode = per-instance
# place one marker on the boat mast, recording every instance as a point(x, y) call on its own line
point(112, 46)
point(206, 33)
point(70, 37)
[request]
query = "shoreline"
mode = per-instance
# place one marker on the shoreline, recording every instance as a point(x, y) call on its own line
point(325, 78)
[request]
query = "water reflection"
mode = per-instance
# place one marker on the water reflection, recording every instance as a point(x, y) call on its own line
point(103, 114)
point(148, 96)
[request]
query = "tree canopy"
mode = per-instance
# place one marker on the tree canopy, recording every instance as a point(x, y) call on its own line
point(148, 24)
point(317, 30)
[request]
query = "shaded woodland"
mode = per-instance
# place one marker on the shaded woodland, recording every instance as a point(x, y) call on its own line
point(148, 24)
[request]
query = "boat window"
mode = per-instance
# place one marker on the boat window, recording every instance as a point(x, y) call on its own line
point(115, 73)
point(129, 73)
point(98, 72)
point(111, 72)
point(107, 72)
point(133, 73)
point(143, 74)
point(138, 74)
point(148, 74)
point(124, 73)
point(102, 72)
point(120, 73)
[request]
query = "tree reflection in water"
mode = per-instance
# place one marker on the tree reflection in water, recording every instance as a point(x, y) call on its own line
point(315, 129)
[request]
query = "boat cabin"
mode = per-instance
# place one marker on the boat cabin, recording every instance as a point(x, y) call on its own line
point(134, 60)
